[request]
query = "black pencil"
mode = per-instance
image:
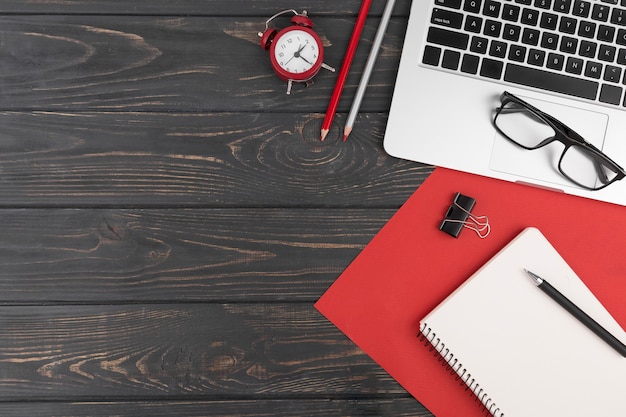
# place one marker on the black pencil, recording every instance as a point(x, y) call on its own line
point(575, 311)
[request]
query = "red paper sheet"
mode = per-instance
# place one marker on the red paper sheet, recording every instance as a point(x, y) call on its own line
point(410, 266)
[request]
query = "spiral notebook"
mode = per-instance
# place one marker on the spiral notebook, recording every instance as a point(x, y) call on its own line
point(519, 351)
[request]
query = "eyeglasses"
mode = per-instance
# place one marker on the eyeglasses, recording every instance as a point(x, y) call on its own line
point(528, 127)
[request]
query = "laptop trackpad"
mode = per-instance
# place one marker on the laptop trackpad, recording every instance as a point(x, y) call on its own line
point(542, 164)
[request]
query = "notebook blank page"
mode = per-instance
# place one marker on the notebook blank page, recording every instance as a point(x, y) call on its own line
point(528, 354)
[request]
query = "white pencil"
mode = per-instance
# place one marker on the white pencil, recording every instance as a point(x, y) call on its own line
point(369, 66)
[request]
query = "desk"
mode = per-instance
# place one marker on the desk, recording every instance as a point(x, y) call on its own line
point(169, 216)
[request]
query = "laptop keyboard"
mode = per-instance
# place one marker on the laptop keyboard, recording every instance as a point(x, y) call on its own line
point(572, 47)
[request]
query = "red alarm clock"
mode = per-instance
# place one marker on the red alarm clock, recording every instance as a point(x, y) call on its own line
point(296, 51)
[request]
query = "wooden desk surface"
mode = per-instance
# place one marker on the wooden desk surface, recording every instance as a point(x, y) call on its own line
point(169, 216)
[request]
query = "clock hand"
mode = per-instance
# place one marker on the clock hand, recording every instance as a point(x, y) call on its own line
point(295, 54)
point(306, 60)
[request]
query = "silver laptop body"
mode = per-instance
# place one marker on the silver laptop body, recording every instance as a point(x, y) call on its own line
point(459, 56)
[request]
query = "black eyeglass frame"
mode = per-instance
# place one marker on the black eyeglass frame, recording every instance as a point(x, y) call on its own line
point(563, 134)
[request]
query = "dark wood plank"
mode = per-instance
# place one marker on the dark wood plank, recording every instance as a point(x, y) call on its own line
point(106, 256)
point(122, 63)
point(207, 159)
point(170, 216)
point(178, 351)
point(391, 407)
point(189, 7)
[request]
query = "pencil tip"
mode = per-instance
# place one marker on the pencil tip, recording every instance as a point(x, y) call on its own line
point(346, 133)
point(324, 133)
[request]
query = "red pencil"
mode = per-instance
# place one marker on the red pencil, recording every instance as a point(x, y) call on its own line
point(345, 68)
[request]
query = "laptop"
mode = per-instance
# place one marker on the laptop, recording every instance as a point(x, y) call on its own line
point(567, 58)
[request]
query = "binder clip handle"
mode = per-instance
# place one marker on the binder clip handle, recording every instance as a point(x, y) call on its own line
point(459, 216)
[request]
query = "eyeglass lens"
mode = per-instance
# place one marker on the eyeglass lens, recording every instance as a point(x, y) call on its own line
point(526, 129)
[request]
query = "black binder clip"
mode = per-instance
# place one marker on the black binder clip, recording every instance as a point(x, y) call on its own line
point(459, 215)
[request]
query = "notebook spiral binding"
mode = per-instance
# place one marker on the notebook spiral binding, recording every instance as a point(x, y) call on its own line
point(452, 365)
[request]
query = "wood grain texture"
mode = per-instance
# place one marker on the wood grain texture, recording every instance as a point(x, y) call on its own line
point(169, 215)
point(177, 351)
point(173, 63)
point(190, 7)
point(208, 159)
point(115, 256)
point(394, 406)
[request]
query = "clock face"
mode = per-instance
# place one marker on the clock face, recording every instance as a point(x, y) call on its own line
point(297, 53)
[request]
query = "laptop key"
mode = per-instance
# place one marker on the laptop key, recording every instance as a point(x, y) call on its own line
point(574, 65)
point(569, 45)
point(479, 45)
point(530, 17)
point(558, 83)
point(473, 24)
point(491, 68)
point(587, 29)
point(451, 59)
point(568, 25)
point(447, 18)
point(454, 4)
point(581, 8)
point(472, 6)
point(611, 94)
point(612, 74)
point(607, 53)
point(588, 49)
point(511, 32)
point(510, 12)
point(549, 40)
point(517, 53)
point(536, 57)
point(562, 6)
point(544, 4)
point(470, 64)
point(548, 21)
point(530, 36)
point(492, 28)
point(555, 61)
point(606, 33)
point(431, 55)
point(498, 49)
point(448, 38)
point(593, 69)
point(618, 17)
point(491, 8)
point(600, 12)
